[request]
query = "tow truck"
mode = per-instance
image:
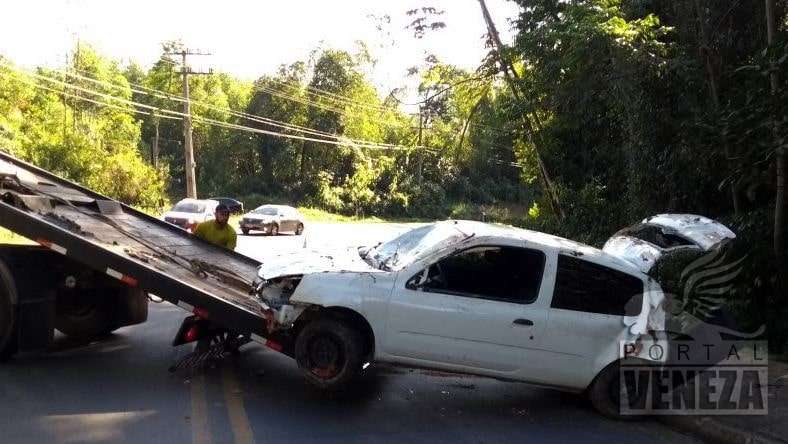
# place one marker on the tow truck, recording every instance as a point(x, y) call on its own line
point(95, 262)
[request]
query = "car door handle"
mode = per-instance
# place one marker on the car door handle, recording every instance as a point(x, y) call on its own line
point(527, 322)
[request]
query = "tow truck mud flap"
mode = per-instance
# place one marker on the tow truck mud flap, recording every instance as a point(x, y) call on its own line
point(36, 322)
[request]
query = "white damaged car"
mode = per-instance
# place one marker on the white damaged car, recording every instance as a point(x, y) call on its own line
point(464, 297)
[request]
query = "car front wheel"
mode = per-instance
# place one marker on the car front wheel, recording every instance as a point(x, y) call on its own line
point(299, 229)
point(329, 353)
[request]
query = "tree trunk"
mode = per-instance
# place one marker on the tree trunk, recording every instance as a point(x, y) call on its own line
point(532, 128)
point(468, 120)
point(714, 94)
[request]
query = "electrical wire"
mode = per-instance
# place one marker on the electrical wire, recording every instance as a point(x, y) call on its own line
point(339, 141)
point(243, 115)
point(175, 115)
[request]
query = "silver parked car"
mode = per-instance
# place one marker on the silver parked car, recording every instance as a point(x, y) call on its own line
point(188, 213)
point(273, 219)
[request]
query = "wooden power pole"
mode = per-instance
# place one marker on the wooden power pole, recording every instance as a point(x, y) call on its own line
point(531, 124)
point(188, 150)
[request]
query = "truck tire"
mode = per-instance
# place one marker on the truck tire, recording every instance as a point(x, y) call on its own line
point(84, 318)
point(133, 306)
point(8, 342)
point(605, 393)
point(329, 353)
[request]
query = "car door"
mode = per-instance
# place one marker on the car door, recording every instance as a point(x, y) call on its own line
point(286, 220)
point(587, 318)
point(473, 310)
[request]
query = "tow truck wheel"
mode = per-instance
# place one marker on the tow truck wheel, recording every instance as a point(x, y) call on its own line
point(329, 353)
point(83, 316)
point(8, 344)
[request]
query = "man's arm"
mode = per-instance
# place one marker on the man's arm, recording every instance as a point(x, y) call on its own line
point(232, 240)
point(199, 231)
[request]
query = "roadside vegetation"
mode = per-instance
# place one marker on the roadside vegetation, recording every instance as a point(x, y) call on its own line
point(8, 237)
point(600, 113)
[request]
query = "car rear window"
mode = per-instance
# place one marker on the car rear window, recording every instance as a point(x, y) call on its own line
point(189, 207)
point(592, 288)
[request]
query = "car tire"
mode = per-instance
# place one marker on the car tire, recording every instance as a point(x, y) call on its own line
point(299, 229)
point(329, 353)
point(605, 393)
point(275, 230)
point(8, 339)
point(245, 231)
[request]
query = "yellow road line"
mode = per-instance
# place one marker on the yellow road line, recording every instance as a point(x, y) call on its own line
point(201, 430)
point(235, 406)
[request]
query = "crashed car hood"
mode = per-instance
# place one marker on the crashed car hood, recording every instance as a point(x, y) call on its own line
point(703, 231)
point(308, 262)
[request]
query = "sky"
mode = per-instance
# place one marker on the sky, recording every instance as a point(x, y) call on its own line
point(247, 38)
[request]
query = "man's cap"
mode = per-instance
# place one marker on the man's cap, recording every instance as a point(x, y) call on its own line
point(222, 207)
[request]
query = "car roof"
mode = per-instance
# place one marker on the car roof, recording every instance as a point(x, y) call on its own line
point(563, 245)
point(200, 201)
point(276, 206)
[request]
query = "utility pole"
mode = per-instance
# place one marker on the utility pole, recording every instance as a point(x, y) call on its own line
point(188, 151)
point(421, 151)
point(154, 148)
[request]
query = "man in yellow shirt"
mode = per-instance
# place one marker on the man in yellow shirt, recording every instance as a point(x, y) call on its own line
point(218, 231)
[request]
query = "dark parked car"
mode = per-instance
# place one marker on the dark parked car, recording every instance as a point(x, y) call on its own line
point(235, 206)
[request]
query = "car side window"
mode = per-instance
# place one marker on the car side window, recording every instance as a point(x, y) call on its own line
point(502, 273)
point(587, 287)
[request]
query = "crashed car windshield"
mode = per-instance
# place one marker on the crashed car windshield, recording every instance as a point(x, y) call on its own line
point(411, 245)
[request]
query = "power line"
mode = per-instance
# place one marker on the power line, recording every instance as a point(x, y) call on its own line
point(75, 96)
point(175, 115)
point(323, 94)
point(247, 116)
point(340, 141)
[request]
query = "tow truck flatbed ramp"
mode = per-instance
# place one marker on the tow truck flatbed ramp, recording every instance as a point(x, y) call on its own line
point(129, 245)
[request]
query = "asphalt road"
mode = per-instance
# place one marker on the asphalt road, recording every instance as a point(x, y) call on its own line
point(119, 390)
